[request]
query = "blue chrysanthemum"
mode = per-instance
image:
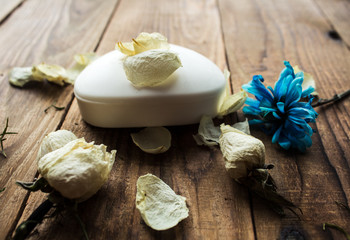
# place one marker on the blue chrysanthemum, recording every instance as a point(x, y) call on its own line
point(280, 110)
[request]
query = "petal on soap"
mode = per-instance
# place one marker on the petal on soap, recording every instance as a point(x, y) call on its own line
point(232, 103)
point(150, 68)
point(52, 73)
point(144, 42)
point(153, 140)
point(160, 207)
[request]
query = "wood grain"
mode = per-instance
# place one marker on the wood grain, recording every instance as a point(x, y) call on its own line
point(7, 7)
point(248, 36)
point(298, 32)
point(195, 172)
point(33, 33)
point(337, 12)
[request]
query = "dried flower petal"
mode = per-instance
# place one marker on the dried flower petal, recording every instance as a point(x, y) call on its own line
point(153, 139)
point(158, 204)
point(52, 73)
point(150, 68)
point(144, 42)
point(309, 81)
point(19, 76)
point(232, 102)
point(242, 152)
point(54, 141)
point(78, 169)
point(82, 60)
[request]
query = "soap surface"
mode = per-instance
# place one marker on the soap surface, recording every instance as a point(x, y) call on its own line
point(106, 98)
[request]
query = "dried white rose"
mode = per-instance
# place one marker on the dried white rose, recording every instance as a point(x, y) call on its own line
point(54, 141)
point(78, 169)
point(242, 152)
point(158, 204)
point(151, 67)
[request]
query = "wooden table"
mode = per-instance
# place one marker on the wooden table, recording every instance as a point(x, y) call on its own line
point(246, 36)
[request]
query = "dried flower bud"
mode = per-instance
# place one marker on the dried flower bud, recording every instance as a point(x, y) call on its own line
point(242, 152)
point(54, 141)
point(78, 169)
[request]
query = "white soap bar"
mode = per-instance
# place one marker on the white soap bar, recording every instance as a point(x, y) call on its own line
point(106, 98)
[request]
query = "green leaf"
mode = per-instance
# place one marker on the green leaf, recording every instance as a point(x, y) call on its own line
point(40, 184)
point(336, 227)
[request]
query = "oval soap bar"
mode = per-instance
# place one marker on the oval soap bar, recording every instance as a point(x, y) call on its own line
point(106, 98)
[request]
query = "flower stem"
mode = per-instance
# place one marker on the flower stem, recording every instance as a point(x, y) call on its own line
point(26, 227)
point(335, 98)
point(330, 225)
point(80, 221)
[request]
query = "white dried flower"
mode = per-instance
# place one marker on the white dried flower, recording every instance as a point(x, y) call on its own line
point(158, 204)
point(78, 169)
point(54, 141)
point(242, 152)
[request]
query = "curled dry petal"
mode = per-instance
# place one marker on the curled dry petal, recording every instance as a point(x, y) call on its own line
point(19, 76)
point(78, 169)
point(231, 102)
point(242, 152)
point(52, 73)
point(309, 81)
point(150, 68)
point(144, 42)
point(153, 139)
point(160, 207)
point(54, 141)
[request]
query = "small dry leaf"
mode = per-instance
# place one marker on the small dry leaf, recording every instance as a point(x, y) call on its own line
point(209, 134)
point(153, 139)
point(150, 68)
point(242, 152)
point(160, 207)
point(144, 42)
point(231, 103)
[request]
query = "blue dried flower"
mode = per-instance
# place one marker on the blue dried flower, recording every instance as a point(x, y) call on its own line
point(281, 111)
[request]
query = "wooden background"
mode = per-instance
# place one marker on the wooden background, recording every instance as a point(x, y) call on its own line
point(246, 36)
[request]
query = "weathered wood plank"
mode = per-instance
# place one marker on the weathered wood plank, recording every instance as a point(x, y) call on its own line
point(337, 12)
point(39, 31)
point(258, 36)
point(219, 208)
point(7, 7)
